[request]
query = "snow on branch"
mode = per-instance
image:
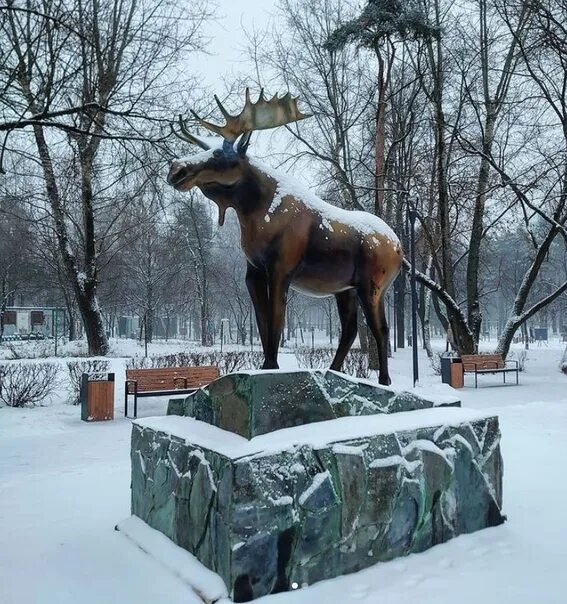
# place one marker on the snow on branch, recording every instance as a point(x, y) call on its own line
point(441, 293)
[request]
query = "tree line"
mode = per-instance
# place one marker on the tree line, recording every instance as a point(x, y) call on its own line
point(456, 109)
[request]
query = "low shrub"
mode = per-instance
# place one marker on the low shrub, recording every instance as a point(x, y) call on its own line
point(227, 362)
point(30, 350)
point(27, 384)
point(314, 358)
point(76, 370)
point(521, 356)
point(356, 362)
point(435, 361)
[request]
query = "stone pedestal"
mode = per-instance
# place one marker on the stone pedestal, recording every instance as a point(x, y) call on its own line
point(251, 403)
point(318, 500)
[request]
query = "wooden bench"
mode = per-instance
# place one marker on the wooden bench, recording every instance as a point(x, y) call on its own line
point(488, 363)
point(164, 381)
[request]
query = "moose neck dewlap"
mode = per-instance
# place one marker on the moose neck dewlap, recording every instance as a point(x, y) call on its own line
point(251, 195)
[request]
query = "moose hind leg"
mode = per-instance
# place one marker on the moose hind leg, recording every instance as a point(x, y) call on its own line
point(347, 307)
point(372, 304)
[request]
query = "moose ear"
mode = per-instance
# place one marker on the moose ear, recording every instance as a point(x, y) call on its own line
point(243, 143)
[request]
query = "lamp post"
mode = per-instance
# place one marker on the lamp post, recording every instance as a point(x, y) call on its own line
point(412, 215)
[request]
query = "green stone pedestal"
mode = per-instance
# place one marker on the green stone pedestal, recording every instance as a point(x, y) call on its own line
point(251, 403)
point(318, 500)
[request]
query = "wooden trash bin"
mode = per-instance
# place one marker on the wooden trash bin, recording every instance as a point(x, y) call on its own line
point(97, 397)
point(452, 371)
point(457, 374)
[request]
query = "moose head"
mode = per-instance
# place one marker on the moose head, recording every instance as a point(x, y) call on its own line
point(223, 174)
point(290, 237)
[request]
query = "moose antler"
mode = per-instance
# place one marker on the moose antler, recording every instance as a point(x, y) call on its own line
point(186, 136)
point(261, 115)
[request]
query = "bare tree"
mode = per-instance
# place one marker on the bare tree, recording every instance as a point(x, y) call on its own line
point(112, 61)
point(195, 231)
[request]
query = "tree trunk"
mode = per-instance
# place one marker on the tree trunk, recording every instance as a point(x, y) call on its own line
point(84, 285)
point(425, 316)
point(149, 325)
point(519, 314)
point(464, 340)
point(2, 315)
point(93, 325)
point(473, 304)
point(72, 328)
point(379, 143)
point(204, 322)
point(70, 313)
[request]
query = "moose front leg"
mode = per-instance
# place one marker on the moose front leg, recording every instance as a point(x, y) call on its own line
point(257, 284)
point(278, 286)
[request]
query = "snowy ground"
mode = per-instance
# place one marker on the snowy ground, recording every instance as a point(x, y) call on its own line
point(64, 484)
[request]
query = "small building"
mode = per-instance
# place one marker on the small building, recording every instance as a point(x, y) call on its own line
point(26, 320)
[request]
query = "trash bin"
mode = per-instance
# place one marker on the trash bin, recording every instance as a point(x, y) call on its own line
point(452, 371)
point(97, 397)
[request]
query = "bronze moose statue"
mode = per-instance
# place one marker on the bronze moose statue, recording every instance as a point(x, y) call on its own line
point(290, 237)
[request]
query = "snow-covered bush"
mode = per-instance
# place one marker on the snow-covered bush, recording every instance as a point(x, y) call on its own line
point(314, 358)
point(521, 356)
point(76, 370)
point(435, 361)
point(30, 350)
point(356, 362)
point(227, 362)
point(27, 384)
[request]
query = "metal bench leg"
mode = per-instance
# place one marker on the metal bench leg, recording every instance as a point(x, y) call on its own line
point(504, 374)
point(126, 400)
point(135, 404)
point(517, 376)
point(475, 379)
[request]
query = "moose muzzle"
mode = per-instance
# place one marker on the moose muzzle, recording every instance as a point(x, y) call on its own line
point(179, 174)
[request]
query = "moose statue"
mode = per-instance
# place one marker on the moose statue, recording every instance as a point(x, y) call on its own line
point(290, 237)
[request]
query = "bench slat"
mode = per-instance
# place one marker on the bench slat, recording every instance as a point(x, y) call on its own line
point(171, 378)
point(482, 362)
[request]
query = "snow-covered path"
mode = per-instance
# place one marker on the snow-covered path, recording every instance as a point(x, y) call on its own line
point(64, 485)
point(61, 493)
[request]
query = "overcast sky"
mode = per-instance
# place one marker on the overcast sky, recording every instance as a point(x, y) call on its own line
point(226, 60)
point(225, 34)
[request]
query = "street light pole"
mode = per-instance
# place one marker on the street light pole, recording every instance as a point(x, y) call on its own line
point(412, 215)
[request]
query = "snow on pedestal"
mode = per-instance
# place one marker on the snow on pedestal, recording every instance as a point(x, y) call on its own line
point(317, 500)
point(251, 403)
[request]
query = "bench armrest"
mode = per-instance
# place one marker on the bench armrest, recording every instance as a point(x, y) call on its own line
point(513, 361)
point(127, 385)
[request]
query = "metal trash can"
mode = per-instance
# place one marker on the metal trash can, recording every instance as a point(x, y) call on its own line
point(452, 371)
point(97, 397)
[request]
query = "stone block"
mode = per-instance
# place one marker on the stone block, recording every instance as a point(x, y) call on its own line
point(320, 500)
point(251, 403)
